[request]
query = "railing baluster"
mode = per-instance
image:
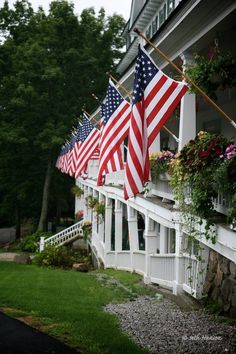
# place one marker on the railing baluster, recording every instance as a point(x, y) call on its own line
point(65, 235)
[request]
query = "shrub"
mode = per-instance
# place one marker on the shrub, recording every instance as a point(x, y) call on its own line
point(62, 257)
point(30, 243)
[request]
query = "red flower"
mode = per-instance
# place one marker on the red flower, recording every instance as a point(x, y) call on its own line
point(204, 154)
point(218, 151)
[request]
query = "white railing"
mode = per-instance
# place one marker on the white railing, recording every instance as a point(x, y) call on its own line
point(62, 237)
point(161, 188)
point(99, 246)
point(115, 178)
point(110, 259)
point(221, 204)
point(139, 261)
point(191, 275)
point(124, 260)
point(162, 269)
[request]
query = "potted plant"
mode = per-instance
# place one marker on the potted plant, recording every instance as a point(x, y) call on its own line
point(77, 191)
point(98, 207)
point(193, 171)
point(100, 210)
point(211, 74)
point(160, 163)
point(92, 202)
point(87, 229)
point(79, 215)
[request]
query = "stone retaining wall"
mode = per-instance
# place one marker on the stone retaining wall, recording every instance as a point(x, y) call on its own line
point(220, 283)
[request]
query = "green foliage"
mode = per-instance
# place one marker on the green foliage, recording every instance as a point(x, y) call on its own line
point(213, 73)
point(62, 257)
point(100, 209)
point(193, 172)
point(92, 202)
point(201, 152)
point(76, 190)
point(30, 243)
point(65, 301)
point(87, 229)
point(50, 64)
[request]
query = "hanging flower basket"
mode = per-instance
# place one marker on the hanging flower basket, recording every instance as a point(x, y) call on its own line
point(211, 74)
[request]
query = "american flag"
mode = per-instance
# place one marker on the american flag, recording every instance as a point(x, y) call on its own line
point(70, 154)
point(59, 161)
point(89, 140)
point(155, 96)
point(62, 161)
point(114, 128)
point(115, 162)
point(74, 152)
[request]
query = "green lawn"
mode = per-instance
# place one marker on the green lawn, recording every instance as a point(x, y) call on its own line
point(71, 304)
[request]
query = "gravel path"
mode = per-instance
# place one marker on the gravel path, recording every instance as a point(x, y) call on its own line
point(163, 328)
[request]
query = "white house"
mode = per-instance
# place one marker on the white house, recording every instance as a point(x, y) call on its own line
point(145, 234)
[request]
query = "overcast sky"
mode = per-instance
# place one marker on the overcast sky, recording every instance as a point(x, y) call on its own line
point(121, 7)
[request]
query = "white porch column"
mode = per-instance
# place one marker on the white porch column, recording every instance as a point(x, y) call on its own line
point(87, 211)
point(187, 124)
point(41, 244)
point(94, 214)
point(179, 262)
point(79, 201)
point(100, 220)
point(108, 220)
point(133, 232)
point(87, 216)
point(156, 145)
point(162, 239)
point(150, 246)
point(118, 229)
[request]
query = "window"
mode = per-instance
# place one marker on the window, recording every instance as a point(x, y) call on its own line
point(154, 26)
point(113, 225)
point(149, 32)
point(170, 241)
point(97, 219)
point(158, 229)
point(170, 6)
point(125, 229)
point(141, 228)
point(162, 15)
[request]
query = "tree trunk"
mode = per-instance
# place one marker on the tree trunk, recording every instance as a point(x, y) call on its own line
point(46, 188)
point(18, 220)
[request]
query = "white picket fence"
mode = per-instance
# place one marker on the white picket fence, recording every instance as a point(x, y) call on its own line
point(62, 237)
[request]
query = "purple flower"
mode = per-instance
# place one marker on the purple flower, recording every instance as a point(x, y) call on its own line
point(230, 151)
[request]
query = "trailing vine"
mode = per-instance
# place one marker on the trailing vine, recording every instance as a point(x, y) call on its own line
point(98, 207)
point(191, 179)
point(76, 190)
